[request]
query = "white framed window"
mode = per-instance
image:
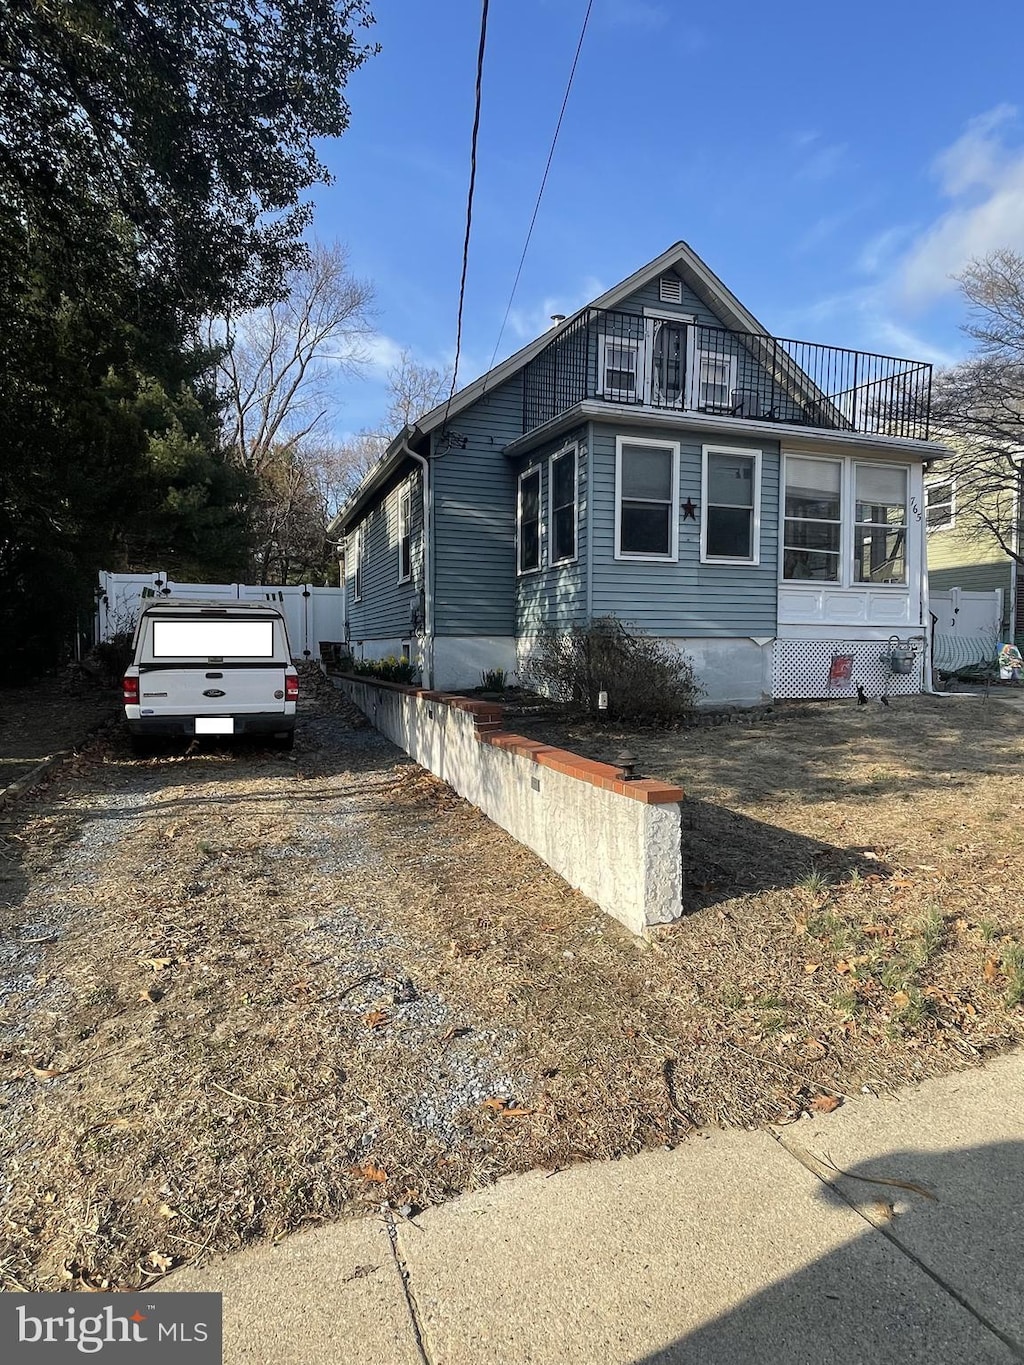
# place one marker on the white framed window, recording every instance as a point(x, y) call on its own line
point(528, 522)
point(845, 522)
point(940, 505)
point(646, 499)
point(813, 521)
point(620, 374)
point(880, 524)
point(730, 523)
point(405, 535)
point(713, 380)
point(563, 505)
point(357, 565)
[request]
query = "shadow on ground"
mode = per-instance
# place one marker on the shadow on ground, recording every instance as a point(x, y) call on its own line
point(943, 1274)
point(726, 854)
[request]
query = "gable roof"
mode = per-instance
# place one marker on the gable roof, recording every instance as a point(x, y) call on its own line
point(680, 257)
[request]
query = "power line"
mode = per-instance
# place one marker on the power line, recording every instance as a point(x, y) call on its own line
point(544, 180)
point(469, 204)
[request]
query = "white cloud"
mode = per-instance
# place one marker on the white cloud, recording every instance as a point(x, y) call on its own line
point(527, 323)
point(381, 353)
point(636, 14)
point(819, 160)
point(819, 231)
point(879, 252)
point(868, 312)
point(983, 177)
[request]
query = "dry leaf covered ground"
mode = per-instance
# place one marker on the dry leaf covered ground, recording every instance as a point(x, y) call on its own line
point(243, 992)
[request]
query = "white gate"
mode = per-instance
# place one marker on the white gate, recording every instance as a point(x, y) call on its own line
point(312, 614)
point(967, 627)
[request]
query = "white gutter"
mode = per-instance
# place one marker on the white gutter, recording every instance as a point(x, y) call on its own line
point(428, 596)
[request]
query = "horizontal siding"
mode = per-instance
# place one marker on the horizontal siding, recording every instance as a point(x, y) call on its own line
point(384, 611)
point(685, 598)
point(555, 595)
point(691, 306)
point(474, 513)
point(971, 577)
point(962, 544)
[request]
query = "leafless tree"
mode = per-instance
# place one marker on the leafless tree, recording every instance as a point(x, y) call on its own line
point(978, 406)
point(281, 365)
point(414, 389)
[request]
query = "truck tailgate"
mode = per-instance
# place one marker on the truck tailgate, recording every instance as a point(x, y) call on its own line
point(206, 690)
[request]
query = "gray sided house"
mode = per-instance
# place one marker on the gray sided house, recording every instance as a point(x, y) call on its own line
point(659, 456)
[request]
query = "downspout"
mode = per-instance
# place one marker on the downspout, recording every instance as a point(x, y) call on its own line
point(428, 563)
point(927, 624)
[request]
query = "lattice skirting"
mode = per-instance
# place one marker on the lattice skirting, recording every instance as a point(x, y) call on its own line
point(802, 669)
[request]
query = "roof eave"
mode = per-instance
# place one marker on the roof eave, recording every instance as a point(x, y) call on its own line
point(372, 480)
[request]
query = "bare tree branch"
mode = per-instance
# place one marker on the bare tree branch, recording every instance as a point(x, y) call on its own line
point(978, 406)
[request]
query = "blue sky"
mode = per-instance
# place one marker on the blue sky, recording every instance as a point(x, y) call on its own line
point(833, 164)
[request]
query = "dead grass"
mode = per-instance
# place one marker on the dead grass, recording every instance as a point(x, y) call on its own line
point(227, 1010)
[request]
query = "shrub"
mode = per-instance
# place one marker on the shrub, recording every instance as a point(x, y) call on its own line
point(644, 679)
point(114, 655)
point(390, 669)
point(494, 680)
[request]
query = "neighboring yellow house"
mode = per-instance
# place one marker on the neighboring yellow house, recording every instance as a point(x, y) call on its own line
point(964, 554)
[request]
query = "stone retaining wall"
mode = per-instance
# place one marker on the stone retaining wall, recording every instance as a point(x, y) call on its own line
point(617, 841)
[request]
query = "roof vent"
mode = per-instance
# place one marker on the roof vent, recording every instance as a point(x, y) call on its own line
point(670, 289)
point(556, 318)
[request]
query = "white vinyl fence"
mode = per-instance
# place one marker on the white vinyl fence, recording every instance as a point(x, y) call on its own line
point(312, 614)
point(967, 627)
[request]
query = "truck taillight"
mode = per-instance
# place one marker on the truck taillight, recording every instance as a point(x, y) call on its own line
point(130, 691)
point(291, 688)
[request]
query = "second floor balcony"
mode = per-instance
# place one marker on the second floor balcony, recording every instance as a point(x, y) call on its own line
point(634, 360)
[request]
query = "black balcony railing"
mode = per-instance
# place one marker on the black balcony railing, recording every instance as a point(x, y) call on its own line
point(631, 359)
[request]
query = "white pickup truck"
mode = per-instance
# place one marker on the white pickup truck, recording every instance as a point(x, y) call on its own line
point(210, 668)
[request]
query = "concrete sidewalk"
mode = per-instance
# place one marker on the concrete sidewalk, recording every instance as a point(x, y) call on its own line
point(730, 1249)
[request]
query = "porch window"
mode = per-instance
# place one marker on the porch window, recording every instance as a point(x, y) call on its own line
point(405, 535)
point(880, 531)
point(529, 521)
point(620, 368)
point(716, 379)
point(813, 525)
point(563, 513)
point(646, 498)
point(939, 501)
point(730, 505)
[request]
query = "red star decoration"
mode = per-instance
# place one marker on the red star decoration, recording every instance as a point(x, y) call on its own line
point(137, 1317)
point(689, 510)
